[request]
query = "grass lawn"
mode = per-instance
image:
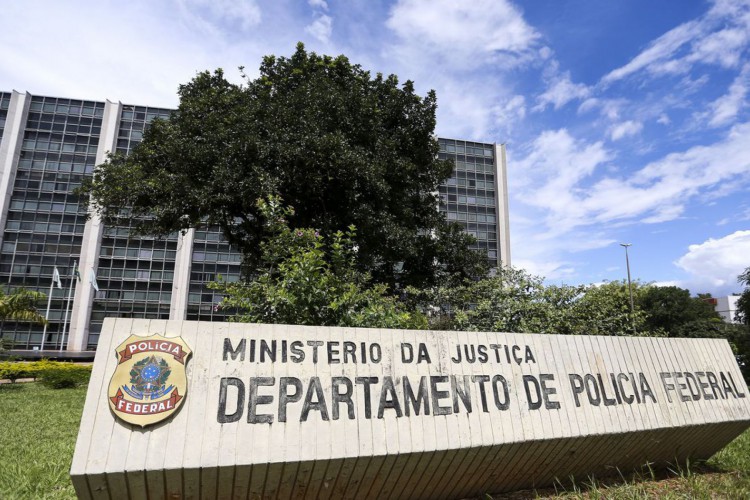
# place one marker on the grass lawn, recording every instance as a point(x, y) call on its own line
point(39, 429)
point(37, 437)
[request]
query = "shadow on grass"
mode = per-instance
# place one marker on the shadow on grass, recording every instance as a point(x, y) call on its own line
point(10, 387)
point(647, 482)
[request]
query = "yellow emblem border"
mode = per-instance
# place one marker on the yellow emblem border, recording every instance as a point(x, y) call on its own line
point(126, 405)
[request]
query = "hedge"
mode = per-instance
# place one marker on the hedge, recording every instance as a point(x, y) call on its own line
point(53, 374)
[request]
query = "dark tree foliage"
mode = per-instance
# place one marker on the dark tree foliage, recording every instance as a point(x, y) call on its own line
point(736, 335)
point(667, 308)
point(743, 303)
point(339, 145)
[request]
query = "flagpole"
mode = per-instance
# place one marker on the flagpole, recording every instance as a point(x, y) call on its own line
point(46, 316)
point(66, 326)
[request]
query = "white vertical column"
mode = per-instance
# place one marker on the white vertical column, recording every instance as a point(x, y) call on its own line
point(181, 282)
point(92, 240)
point(501, 197)
point(10, 150)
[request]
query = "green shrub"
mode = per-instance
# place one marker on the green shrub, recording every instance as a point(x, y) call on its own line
point(53, 374)
point(12, 371)
point(63, 375)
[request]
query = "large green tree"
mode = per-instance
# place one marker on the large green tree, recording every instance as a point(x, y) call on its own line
point(305, 278)
point(341, 146)
point(743, 303)
point(667, 308)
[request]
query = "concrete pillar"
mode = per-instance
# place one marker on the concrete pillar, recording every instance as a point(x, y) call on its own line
point(501, 192)
point(181, 282)
point(10, 149)
point(92, 241)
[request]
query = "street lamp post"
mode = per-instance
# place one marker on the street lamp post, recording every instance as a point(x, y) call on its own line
point(630, 286)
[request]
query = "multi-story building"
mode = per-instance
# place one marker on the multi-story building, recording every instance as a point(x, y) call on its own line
point(48, 145)
point(726, 307)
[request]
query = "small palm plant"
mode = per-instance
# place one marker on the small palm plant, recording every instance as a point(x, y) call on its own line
point(20, 305)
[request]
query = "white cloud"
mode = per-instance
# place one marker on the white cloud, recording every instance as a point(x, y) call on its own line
point(725, 109)
point(320, 4)
point(663, 119)
point(610, 108)
point(464, 33)
point(719, 37)
point(139, 55)
point(548, 269)
point(658, 50)
point(715, 264)
point(321, 28)
point(560, 91)
point(549, 178)
point(507, 114)
point(208, 13)
point(561, 188)
point(624, 129)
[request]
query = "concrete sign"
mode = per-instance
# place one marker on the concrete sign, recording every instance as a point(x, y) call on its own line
point(307, 412)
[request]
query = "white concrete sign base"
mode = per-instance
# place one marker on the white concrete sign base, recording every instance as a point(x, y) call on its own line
point(278, 411)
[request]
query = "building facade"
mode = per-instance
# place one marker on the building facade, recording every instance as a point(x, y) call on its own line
point(726, 307)
point(49, 145)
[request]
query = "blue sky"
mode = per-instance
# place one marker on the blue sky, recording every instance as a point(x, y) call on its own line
point(625, 121)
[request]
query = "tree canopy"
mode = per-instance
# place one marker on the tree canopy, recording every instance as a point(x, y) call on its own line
point(516, 301)
point(305, 280)
point(341, 146)
point(743, 303)
point(667, 308)
point(20, 305)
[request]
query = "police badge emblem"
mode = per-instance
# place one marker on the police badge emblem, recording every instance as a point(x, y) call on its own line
point(149, 383)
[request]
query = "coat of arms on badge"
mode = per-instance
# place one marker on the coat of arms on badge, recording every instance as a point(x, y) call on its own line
point(149, 382)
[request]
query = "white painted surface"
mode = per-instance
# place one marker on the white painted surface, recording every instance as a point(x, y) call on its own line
point(83, 299)
point(451, 455)
point(10, 149)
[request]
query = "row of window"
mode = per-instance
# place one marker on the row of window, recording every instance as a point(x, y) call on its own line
point(142, 114)
point(216, 257)
point(48, 238)
point(33, 269)
point(67, 107)
point(35, 185)
point(124, 233)
point(471, 217)
point(139, 253)
point(130, 296)
point(65, 147)
point(31, 205)
point(136, 274)
point(470, 183)
point(133, 135)
point(10, 246)
point(94, 130)
point(53, 167)
point(43, 227)
point(63, 118)
point(483, 235)
point(460, 174)
point(463, 148)
point(208, 236)
point(472, 200)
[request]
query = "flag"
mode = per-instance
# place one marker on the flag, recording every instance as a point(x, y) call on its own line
point(92, 279)
point(56, 278)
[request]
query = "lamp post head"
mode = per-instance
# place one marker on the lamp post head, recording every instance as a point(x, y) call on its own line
point(626, 245)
